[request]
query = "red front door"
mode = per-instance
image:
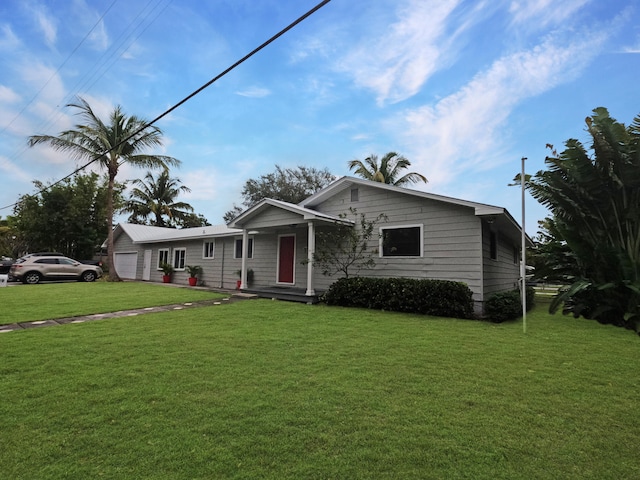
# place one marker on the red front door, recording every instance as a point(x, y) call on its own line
point(286, 259)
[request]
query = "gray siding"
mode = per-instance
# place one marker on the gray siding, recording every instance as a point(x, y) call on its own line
point(502, 273)
point(271, 217)
point(219, 271)
point(451, 235)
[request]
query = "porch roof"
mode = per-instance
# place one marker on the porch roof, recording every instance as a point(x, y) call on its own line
point(303, 213)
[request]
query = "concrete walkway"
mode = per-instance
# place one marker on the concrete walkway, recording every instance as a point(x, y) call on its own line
point(12, 327)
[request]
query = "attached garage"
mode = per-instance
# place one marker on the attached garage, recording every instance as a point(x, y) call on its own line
point(126, 264)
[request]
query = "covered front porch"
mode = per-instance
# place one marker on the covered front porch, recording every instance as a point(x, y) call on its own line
point(289, 294)
point(283, 239)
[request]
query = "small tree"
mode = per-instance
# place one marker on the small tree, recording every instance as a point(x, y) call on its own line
point(287, 184)
point(343, 248)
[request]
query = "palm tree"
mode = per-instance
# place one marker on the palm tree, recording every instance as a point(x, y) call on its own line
point(388, 171)
point(121, 140)
point(156, 197)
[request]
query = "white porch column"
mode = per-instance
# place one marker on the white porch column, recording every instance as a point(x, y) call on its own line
point(311, 250)
point(245, 252)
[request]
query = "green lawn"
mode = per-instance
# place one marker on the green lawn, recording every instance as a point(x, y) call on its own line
point(264, 389)
point(21, 303)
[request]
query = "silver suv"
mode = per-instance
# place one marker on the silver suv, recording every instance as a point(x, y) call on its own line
point(34, 268)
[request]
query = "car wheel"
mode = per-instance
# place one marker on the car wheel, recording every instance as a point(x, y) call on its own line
point(88, 276)
point(31, 278)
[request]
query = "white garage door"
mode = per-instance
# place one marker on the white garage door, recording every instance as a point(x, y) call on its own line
point(126, 264)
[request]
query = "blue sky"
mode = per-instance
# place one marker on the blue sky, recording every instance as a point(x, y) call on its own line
point(463, 89)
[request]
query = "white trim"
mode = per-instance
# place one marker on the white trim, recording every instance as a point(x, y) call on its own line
point(397, 227)
point(158, 263)
point(311, 249)
point(211, 241)
point(278, 282)
point(173, 258)
point(250, 241)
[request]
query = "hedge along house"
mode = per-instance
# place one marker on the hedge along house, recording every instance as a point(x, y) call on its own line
point(272, 244)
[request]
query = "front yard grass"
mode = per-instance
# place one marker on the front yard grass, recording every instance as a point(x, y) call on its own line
point(263, 389)
point(23, 303)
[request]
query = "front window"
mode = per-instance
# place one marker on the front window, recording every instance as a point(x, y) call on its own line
point(163, 257)
point(179, 255)
point(208, 249)
point(405, 241)
point(238, 249)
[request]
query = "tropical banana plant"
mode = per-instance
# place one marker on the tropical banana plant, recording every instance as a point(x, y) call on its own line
point(594, 196)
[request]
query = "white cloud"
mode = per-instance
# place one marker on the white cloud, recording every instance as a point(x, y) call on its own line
point(99, 37)
point(46, 24)
point(395, 60)
point(42, 79)
point(254, 92)
point(204, 184)
point(89, 20)
point(7, 95)
point(467, 130)
point(542, 13)
point(13, 171)
point(8, 40)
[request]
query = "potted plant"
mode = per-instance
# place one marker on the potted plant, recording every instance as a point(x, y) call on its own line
point(249, 278)
point(194, 271)
point(167, 270)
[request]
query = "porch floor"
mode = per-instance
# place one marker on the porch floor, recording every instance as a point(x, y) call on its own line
point(290, 294)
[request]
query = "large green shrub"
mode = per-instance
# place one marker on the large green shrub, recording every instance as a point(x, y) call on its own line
point(505, 306)
point(429, 297)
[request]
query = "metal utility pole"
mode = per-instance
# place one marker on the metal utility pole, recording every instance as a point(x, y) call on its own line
point(523, 262)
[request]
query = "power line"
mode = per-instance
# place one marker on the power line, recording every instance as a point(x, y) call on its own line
point(190, 96)
point(58, 69)
point(101, 66)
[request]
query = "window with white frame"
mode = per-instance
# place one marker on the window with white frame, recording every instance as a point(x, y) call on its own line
point(163, 257)
point(179, 256)
point(238, 249)
point(401, 241)
point(208, 249)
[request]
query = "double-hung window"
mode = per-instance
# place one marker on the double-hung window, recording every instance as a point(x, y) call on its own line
point(179, 256)
point(163, 257)
point(208, 249)
point(401, 241)
point(238, 248)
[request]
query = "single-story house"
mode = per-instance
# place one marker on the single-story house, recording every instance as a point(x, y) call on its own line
point(270, 247)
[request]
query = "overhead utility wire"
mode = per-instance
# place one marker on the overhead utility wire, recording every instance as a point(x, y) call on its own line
point(106, 60)
point(190, 96)
point(58, 69)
